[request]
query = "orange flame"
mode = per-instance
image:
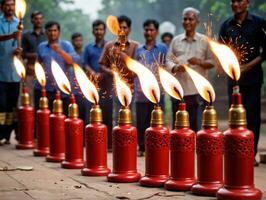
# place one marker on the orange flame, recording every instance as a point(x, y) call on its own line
point(122, 90)
point(60, 78)
point(148, 82)
point(87, 87)
point(170, 84)
point(21, 7)
point(203, 86)
point(19, 67)
point(40, 74)
point(227, 59)
point(112, 24)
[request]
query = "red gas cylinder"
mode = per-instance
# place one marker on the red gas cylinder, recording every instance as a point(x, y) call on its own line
point(157, 140)
point(96, 145)
point(182, 153)
point(209, 148)
point(25, 123)
point(57, 132)
point(239, 156)
point(124, 150)
point(42, 127)
point(73, 138)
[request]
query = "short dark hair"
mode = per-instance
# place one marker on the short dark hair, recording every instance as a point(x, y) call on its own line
point(167, 34)
point(35, 13)
point(98, 22)
point(52, 23)
point(151, 21)
point(4, 1)
point(124, 18)
point(76, 35)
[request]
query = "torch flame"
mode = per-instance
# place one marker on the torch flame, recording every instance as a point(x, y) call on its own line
point(123, 91)
point(20, 8)
point(60, 78)
point(227, 58)
point(170, 84)
point(19, 67)
point(112, 24)
point(40, 74)
point(148, 82)
point(203, 86)
point(87, 87)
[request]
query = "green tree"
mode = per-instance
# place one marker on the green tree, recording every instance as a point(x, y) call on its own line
point(70, 20)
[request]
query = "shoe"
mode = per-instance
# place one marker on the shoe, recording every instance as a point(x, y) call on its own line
point(256, 164)
point(140, 153)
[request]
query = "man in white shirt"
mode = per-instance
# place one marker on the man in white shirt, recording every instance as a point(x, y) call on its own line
point(190, 48)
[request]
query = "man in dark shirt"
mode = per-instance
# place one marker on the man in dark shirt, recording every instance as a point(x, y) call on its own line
point(106, 60)
point(30, 41)
point(244, 33)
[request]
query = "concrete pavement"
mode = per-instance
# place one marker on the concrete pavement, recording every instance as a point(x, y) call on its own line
point(48, 181)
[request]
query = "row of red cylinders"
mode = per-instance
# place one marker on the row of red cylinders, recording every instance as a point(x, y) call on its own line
point(238, 172)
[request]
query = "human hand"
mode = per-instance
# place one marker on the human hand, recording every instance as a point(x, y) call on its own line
point(179, 68)
point(195, 61)
point(17, 35)
point(18, 51)
point(55, 47)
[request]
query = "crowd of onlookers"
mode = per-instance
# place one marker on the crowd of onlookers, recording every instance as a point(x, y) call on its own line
point(191, 48)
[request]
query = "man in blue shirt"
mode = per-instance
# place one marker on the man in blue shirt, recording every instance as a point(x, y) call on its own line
point(9, 80)
point(77, 42)
point(84, 105)
point(148, 54)
point(93, 50)
point(92, 54)
point(63, 53)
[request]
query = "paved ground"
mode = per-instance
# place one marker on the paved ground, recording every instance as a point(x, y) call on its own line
point(48, 181)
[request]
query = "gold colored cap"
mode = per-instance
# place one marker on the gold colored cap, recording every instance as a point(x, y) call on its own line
point(43, 103)
point(237, 112)
point(157, 117)
point(73, 109)
point(57, 104)
point(182, 117)
point(209, 118)
point(96, 114)
point(124, 116)
point(25, 99)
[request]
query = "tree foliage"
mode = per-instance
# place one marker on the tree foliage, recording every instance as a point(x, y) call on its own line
point(171, 10)
point(70, 20)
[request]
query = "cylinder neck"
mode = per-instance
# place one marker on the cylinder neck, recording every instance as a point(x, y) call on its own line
point(124, 116)
point(57, 104)
point(209, 117)
point(43, 103)
point(73, 110)
point(182, 117)
point(25, 99)
point(96, 114)
point(157, 117)
point(237, 112)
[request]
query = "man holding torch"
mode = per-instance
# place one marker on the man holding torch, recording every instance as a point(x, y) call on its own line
point(111, 50)
point(9, 80)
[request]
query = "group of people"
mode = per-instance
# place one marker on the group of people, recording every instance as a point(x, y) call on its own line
point(97, 58)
